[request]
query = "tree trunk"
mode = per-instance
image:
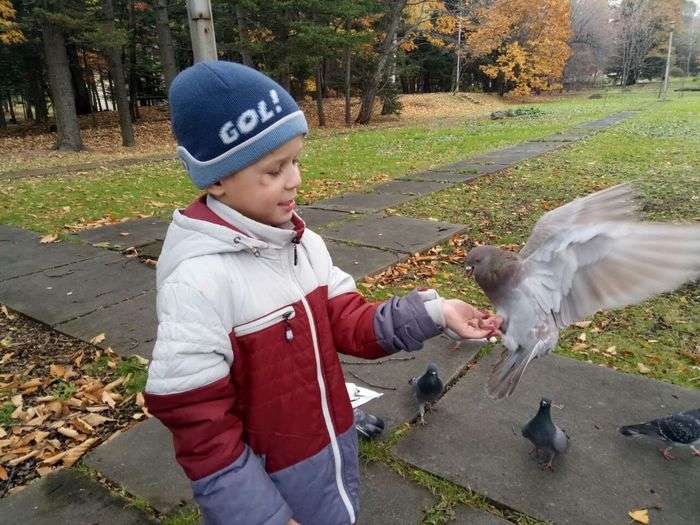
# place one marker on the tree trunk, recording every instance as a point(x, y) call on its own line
point(104, 91)
point(3, 121)
point(133, 102)
point(243, 35)
point(319, 95)
point(114, 57)
point(80, 90)
point(348, 79)
point(111, 91)
point(165, 43)
point(11, 109)
point(67, 127)
point(35, 91)
point(372, 87)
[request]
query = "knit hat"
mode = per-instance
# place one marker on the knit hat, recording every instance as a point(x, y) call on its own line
point(227, 116)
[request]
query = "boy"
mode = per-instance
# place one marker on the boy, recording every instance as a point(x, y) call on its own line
point(252, 313)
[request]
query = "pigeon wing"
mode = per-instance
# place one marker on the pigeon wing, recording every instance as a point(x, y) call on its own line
point(613, 204)
point(586, 268)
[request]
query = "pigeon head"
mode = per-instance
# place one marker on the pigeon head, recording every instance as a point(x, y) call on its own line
point(545, 403)
point(432, 369)
point(490, 265)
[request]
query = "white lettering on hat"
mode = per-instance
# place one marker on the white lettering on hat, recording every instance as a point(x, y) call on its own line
point(228, 133)
point(249, 120)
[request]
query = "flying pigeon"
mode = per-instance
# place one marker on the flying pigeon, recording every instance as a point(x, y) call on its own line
point(547, 438)
point(678, 430)
point(426, 389)
point(588, 255)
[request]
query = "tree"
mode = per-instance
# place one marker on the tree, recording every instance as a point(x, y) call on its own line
point(10, 32)
point(528, 41)
point(591, 40)
point(112, 45)
point(165, 42)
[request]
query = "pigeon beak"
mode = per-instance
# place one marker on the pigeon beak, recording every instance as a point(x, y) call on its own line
point(468, 271)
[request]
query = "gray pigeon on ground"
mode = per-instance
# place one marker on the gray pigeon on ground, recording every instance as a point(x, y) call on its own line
point(426, 389)
point(367, 424)
point(678, 430)
point(588, 255)
point(547, 438)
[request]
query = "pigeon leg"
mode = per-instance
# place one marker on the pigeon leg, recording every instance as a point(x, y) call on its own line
point(534, 451)
point(548, 464)
point(421, 411)
point(666, 453)
point(696, 452)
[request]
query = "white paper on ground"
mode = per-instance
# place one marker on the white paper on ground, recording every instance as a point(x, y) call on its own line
point(360, 395)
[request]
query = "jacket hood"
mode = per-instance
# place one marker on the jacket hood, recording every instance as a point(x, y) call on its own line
point(208, 227)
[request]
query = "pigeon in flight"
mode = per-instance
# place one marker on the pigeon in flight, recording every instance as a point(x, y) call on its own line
point(678, 430)
point(426, 389)
point(588, 255)
point(547, 438)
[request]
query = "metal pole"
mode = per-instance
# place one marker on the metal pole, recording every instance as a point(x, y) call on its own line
point(668, 62)
point(201, 30)
point(691, 44)
point(459, 46)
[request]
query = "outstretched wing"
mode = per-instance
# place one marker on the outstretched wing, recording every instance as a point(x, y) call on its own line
point(585, 268)
point(612, 204)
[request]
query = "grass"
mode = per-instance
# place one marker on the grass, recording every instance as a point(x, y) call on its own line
point(332, 163)
point(658, 151)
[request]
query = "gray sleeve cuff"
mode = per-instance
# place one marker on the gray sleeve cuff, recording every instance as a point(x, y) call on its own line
point(241, 489)
point(404, 323)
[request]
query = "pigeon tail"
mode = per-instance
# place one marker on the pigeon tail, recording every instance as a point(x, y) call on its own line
point(508, 371)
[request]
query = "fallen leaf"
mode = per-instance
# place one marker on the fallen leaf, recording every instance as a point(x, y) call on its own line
point(640, 516)
point(74, 454)
point(643, 369)
point(7, 313)
point(57, 371)
point(83, 426)
point(69, 432)
point(3, 474)
point(95, 420)
point(583, 324)
point(108, 398)
point(612, 350)
point(97, 339)
point(46, 239)
point(22, 459)
point(582, 337)
point(43, 471)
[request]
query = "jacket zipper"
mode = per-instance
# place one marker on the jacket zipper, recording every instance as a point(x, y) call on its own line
point(283, 314)
point(324, 400)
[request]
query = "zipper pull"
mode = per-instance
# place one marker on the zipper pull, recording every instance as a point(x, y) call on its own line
point(288, 334)
point(295, 241)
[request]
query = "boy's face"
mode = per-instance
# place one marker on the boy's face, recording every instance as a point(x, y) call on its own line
point(265, 191)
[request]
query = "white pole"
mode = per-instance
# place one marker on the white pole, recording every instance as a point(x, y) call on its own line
point(668, 62)
point(201, 30)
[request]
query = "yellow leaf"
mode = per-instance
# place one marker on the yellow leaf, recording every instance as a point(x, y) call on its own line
point(74, 454)
point(98, 339)
point(640, 516)
point(643, 369)
point(46, 239)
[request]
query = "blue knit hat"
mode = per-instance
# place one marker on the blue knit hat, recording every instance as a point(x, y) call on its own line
point(227, 116)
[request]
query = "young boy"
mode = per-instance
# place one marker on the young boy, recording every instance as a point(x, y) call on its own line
point(252, 314)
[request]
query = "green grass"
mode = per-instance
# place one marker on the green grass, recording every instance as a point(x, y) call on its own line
point(6, 411)
point(63, 390)
point(658, 149)
point(137, 373)
point(332, 163)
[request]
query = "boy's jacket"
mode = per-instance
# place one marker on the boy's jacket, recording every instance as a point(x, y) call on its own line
point(245, 369)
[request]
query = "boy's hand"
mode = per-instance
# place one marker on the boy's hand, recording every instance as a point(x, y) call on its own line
point(469, 322)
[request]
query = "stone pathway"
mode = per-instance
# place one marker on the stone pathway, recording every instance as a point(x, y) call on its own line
point(83, 290)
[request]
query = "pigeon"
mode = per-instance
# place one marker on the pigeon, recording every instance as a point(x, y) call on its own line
point(588, 255)
point(678, 430)
point(366, 424)
point(426, 389)
point(547, 438)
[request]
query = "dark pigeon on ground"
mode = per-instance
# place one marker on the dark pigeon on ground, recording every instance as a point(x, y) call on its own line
point(588, 255)
point(427, 389)
point(678, 430)
point(366, 424)
point(547, 438)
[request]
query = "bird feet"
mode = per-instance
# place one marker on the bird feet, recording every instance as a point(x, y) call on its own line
point(666, 453)
point(696, 452)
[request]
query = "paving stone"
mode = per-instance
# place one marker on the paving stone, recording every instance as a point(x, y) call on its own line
point(151, 251)
point(402, 234)
point(515, 154)
point(143, 461)
point(68, 497)
point(363, 202)
point(411, 187)
point(140, 232)
point(60, 294)
point(398, 406)
point(314, 217)
point(570, 135)
point(600, 478)
point(473, 516)
point(360, 261)
point(130, 327)
point(456, 173)
point(386, 498)
point(21, 253)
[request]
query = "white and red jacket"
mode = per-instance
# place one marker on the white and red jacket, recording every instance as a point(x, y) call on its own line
point(245, 370)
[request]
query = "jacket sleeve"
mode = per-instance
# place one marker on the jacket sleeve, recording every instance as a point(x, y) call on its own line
point(190, 390)
point(373, 330)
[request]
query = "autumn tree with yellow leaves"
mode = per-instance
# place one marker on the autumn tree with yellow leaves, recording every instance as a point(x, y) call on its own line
point(9, 31)
point(527, 41)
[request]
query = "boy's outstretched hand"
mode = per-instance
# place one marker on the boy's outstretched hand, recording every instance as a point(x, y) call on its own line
point(469, 322)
